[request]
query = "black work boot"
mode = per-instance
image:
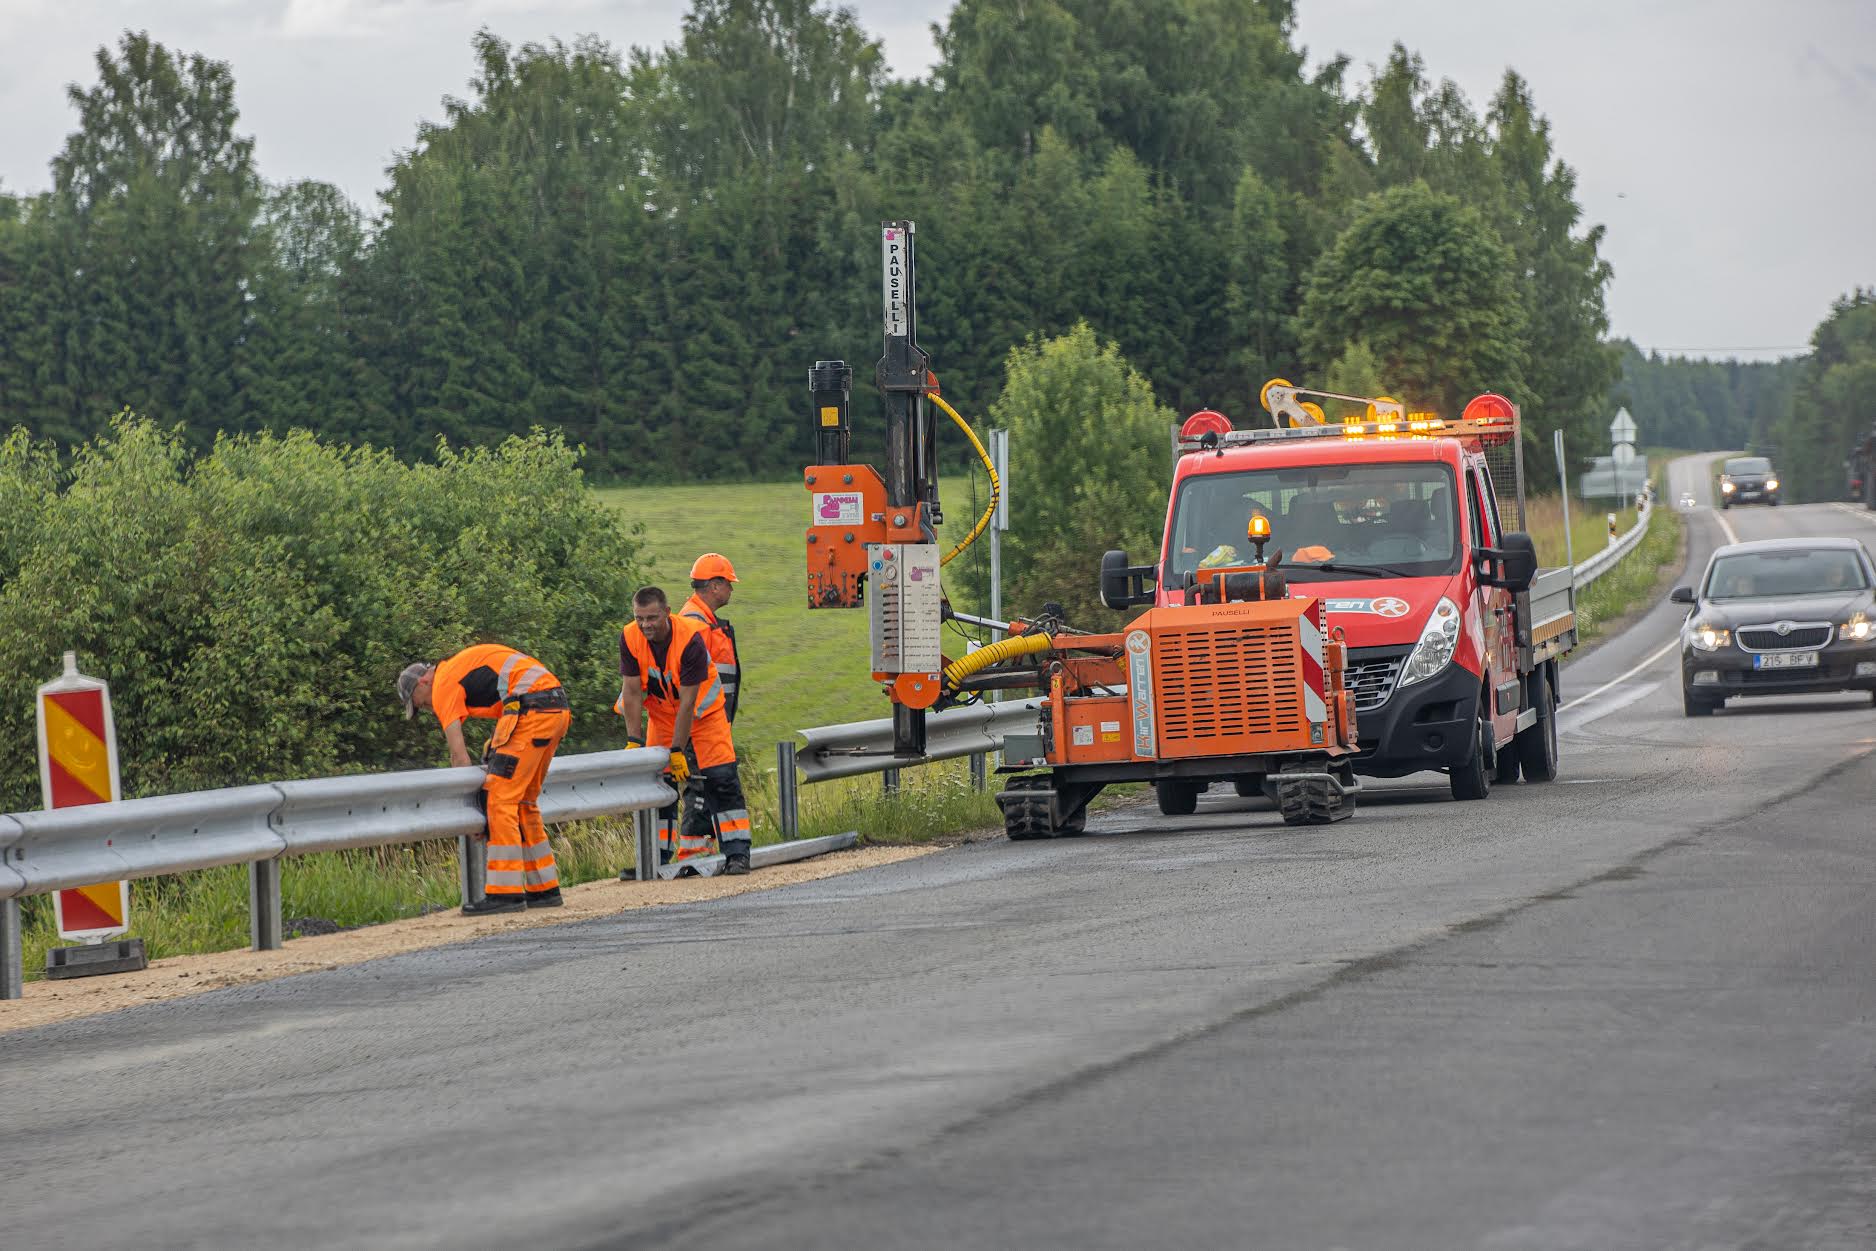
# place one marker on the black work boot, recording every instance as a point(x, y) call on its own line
point(549, 898)
point(735, 858)
point(489, 905)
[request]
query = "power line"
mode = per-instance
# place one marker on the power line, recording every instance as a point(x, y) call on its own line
point(1776, 347)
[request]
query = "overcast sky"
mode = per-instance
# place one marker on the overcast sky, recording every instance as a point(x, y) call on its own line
point(1728, 145)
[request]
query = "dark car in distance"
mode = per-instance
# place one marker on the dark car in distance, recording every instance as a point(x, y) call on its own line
point(1748, 480)
point(1779, 617)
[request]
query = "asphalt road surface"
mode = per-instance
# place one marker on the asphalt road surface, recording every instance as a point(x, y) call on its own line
point(1631, 1009)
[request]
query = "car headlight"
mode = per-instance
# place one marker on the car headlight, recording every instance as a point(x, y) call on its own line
point(1858, 629)
point(1438, 638)
point(1708, 638)
point(1771, 484)
point(1726, 487)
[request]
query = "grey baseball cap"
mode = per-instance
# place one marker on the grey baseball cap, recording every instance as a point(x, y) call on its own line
point(407, 686)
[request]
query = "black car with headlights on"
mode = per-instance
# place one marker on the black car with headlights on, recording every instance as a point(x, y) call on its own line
point(1779, 617)
point(1748, 480)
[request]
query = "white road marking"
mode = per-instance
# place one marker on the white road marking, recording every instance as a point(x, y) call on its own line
point(1861, 514)
point(1663, 650)
point(1732, 535)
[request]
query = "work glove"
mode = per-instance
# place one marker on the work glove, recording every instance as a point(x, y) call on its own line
point(679, 769)
point(633, 743)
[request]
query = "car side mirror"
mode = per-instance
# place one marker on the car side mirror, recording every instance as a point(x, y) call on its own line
point(1512, 564)
point(1681, 595)
point(1124, 585)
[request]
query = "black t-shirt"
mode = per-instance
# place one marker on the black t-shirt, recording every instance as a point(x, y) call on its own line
point(693, 666)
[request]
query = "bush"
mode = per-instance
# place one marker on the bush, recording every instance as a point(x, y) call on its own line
point(1090, 453)
point(251, 609)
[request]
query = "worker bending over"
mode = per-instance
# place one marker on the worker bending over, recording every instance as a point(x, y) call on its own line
point(665, 668)
point(710, 583)
point(531, 715)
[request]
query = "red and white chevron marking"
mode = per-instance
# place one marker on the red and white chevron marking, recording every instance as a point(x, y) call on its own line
point(1310, 629)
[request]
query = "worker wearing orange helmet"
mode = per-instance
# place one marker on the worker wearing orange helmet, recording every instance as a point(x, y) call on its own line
point(531, 715)
point(712, 580)
point(665, 671)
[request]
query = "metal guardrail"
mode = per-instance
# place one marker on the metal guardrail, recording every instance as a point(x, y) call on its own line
point(259, 825)
point(844, 751)
point(1605, 560)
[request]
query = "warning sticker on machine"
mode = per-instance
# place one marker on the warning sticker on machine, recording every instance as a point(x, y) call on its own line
point(1084, 736)
point(1110, 731)
point(838, 508)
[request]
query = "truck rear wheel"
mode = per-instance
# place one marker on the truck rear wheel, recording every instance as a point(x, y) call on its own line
point(1473, 779)
point(1536, 748)
point(1028, 803)
point(1178, 797)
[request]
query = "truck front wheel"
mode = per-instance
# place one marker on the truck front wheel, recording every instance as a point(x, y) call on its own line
point(1473, 779)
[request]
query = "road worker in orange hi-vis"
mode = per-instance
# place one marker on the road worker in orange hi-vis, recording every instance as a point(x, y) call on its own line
point(665, 669)
point(531, 715)
point(712, 580)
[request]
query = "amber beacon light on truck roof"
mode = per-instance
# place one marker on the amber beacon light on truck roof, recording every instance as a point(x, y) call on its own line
point(1489, 418)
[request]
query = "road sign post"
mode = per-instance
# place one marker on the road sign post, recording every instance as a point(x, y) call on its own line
point(78, 765)
point(1621, 452)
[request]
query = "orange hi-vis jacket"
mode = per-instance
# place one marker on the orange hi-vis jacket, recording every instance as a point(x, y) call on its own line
point(476, 681)
point(710, 724)
point(720, 638)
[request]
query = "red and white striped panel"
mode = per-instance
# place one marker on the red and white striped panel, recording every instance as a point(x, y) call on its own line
point(1309, 628)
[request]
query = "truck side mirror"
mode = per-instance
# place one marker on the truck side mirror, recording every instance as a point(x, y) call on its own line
point(1681, 595)
point(1124, 585)
point(1512, 564)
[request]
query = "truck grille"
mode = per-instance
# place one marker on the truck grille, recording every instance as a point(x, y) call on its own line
point(1226, 684)
point(1372, 681)
point(1803, 637)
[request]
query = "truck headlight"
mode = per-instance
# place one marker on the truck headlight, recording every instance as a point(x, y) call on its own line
point(1438, 638)
point(1708, 638)
point(1771, 484)
point(1857, 629)
point(1726, 487)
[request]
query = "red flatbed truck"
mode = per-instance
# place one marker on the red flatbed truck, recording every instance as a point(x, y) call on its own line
point(1409, 527)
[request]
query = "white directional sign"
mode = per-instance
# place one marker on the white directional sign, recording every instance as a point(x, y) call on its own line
point(1622, 429)
point(1623, 454)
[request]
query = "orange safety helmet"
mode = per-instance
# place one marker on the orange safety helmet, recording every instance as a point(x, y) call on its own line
point(711, 565)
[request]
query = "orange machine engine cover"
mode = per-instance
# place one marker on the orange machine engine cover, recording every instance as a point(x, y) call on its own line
point(1093, 730)
point(1230, 679)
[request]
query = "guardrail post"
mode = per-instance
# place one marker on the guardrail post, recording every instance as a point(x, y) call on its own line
point(645, 831)
point(12, 953)
point(472, 865)
point(979, 771)
point(889, 783)
point(787, 792)
point(264, 925)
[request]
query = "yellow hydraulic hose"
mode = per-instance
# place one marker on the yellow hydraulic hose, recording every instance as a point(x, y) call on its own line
point(996, 487)
point(1003, 649)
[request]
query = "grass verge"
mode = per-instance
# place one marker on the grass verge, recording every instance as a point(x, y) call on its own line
point(1637, 577)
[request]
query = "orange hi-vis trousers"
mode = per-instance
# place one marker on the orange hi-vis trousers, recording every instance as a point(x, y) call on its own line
point(519, 752)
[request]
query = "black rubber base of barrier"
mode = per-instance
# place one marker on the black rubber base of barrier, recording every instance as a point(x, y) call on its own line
point(122, 956)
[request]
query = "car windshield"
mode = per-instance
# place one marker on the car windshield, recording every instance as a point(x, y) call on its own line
point(1749, 464)
point(1797, 571)
point(1400, 516)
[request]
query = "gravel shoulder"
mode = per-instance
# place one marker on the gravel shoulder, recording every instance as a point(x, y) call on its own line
point(47, 1001)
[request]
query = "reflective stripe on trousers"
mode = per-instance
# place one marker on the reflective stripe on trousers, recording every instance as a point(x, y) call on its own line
point(520, 859)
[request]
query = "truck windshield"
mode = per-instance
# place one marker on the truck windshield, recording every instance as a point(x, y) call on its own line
point(1400, 516)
